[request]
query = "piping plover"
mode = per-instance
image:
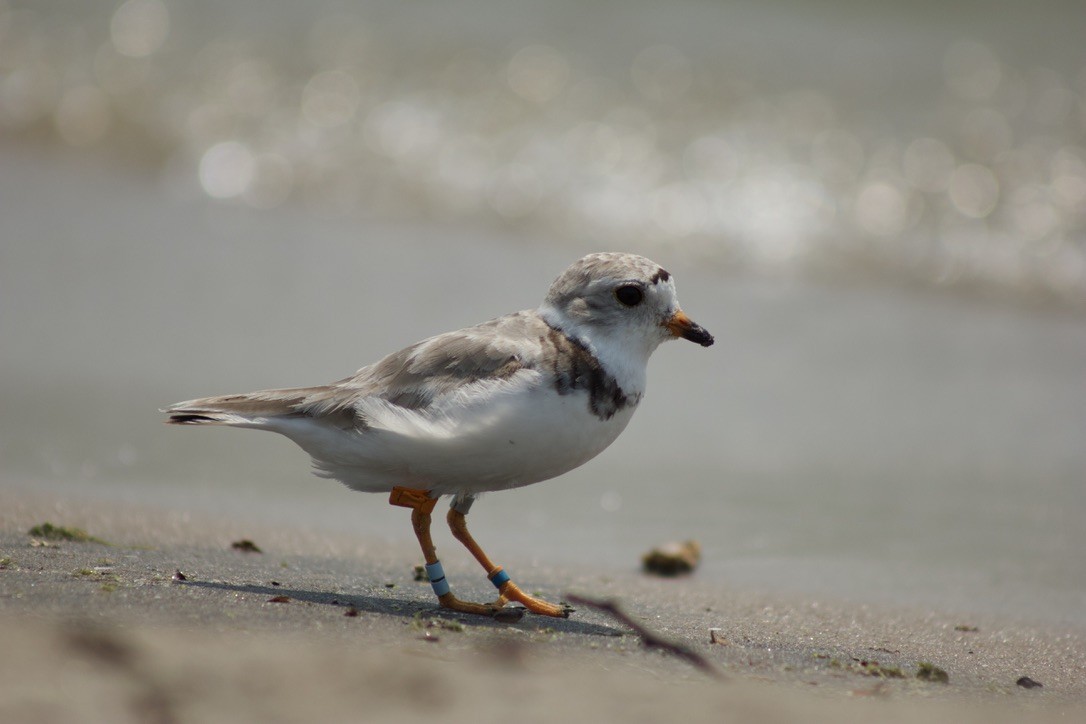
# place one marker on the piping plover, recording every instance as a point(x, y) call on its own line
point(509, 402)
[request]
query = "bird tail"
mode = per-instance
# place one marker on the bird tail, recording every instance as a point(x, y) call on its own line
point(252, 409)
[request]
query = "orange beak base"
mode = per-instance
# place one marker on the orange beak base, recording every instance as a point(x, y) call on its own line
point(681, 325)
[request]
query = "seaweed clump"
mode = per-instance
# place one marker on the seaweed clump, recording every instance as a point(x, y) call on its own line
point(48, 531)
point(927, 671)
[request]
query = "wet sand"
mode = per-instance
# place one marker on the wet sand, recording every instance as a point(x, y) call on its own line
point(334, 627)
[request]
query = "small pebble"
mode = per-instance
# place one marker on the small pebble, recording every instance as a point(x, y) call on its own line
point(672, 559)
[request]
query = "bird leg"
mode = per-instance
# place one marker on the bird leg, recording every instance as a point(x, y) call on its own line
point(422, 505)
point(508, 590)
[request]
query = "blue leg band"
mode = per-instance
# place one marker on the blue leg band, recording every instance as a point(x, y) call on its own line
point(436, 574)
point(500, 577)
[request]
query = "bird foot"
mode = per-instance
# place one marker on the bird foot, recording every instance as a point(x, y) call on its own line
point(451, 602)
point(506, 614)
point(496, 610)
point(537, 606)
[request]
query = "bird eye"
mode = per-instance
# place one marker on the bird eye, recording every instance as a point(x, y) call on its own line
point(629, 295)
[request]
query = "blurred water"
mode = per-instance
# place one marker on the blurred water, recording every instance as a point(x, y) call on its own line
point(925, 143)
point(198, 199)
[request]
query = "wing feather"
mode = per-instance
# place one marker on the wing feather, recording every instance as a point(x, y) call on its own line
point(439, 366)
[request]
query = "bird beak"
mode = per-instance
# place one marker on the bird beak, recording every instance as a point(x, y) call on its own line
point(681, 325)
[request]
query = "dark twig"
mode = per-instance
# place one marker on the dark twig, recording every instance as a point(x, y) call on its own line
point(649, 638)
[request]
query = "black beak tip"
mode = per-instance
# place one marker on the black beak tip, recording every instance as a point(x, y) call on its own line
point(700, 336)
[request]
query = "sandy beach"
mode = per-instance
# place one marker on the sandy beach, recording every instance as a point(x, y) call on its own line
point(337, 629)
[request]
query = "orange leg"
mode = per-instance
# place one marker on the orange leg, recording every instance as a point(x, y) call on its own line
point(508, 590)
point(422, 505)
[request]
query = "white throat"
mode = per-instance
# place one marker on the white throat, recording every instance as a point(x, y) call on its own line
point(624, 357)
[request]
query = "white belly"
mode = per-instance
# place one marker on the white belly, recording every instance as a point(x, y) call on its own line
point(493, 436)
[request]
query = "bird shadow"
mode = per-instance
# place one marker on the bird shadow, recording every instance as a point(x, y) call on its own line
point(405, 608)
